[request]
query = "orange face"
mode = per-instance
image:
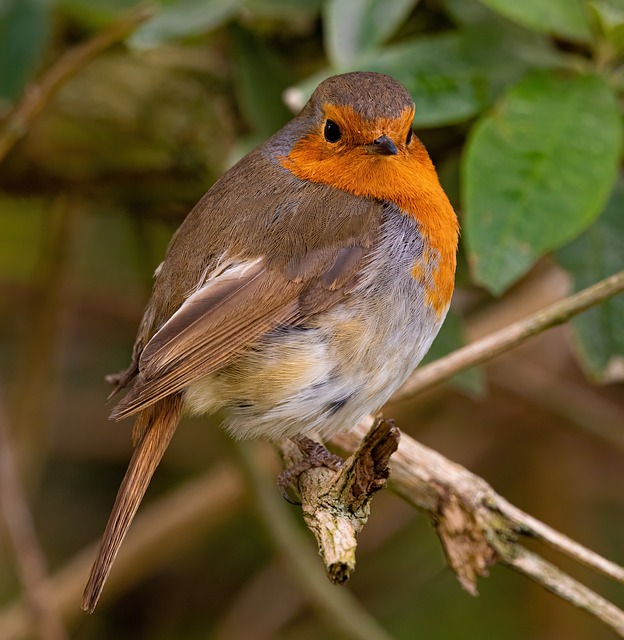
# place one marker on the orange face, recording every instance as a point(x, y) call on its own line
point(346, 155)
point(381, 159)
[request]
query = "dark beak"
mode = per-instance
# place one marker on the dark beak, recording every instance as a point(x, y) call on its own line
point(382, 146)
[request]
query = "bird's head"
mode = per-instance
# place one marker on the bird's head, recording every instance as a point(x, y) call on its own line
point(355, 133)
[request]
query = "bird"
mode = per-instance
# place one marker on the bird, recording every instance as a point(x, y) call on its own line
point(299, 293)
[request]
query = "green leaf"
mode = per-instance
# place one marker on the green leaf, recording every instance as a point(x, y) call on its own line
point(450, 338)
point(537, 171)
point(353, 27)
point(467, 11)
point(440, 74)
point(595, 255)
point(452, 77)
point(183, 18)
point(566, 18)
point(610, 12)
point(24, 32)
point(455, 76)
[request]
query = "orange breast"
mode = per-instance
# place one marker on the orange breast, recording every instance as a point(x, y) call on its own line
point(407, 179)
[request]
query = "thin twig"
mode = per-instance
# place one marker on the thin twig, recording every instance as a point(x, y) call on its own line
point(552, 578)
point(423, 477)
point(28, 553)
point(337, 606)
point(38, 95)
point(511, 336)
point(559, 541)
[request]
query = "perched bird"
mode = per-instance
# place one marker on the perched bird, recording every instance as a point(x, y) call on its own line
point(299, 293)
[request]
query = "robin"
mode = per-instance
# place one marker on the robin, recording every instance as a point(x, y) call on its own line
point(299, 293)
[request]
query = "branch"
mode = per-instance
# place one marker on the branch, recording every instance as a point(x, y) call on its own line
point(562, 585)
point(30, 558)
point(336, 505)
point(479, 528)
point(508, 337)
point(423, 477)
point(73, 61)
point(338, 607)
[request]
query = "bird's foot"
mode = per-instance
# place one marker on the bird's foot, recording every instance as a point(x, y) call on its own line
point(315, 455)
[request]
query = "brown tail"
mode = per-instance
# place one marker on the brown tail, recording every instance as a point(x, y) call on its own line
point(156, 425)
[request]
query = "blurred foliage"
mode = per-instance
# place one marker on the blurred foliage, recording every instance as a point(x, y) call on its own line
point(24, 29)
point(594, 255)
point(520, 106)
point(565, 18)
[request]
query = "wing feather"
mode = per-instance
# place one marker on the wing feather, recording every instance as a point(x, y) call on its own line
point(210, 328)
point(313, 244)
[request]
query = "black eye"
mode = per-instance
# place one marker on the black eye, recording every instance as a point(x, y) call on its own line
point(409, 137)
point(332, 131)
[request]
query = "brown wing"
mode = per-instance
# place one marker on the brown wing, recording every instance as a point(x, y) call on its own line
point(312, 240)
point(209, 329)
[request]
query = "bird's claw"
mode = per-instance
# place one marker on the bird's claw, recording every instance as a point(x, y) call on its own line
point(315, 455)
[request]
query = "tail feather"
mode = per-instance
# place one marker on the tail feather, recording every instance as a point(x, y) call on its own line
point(156, 426)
